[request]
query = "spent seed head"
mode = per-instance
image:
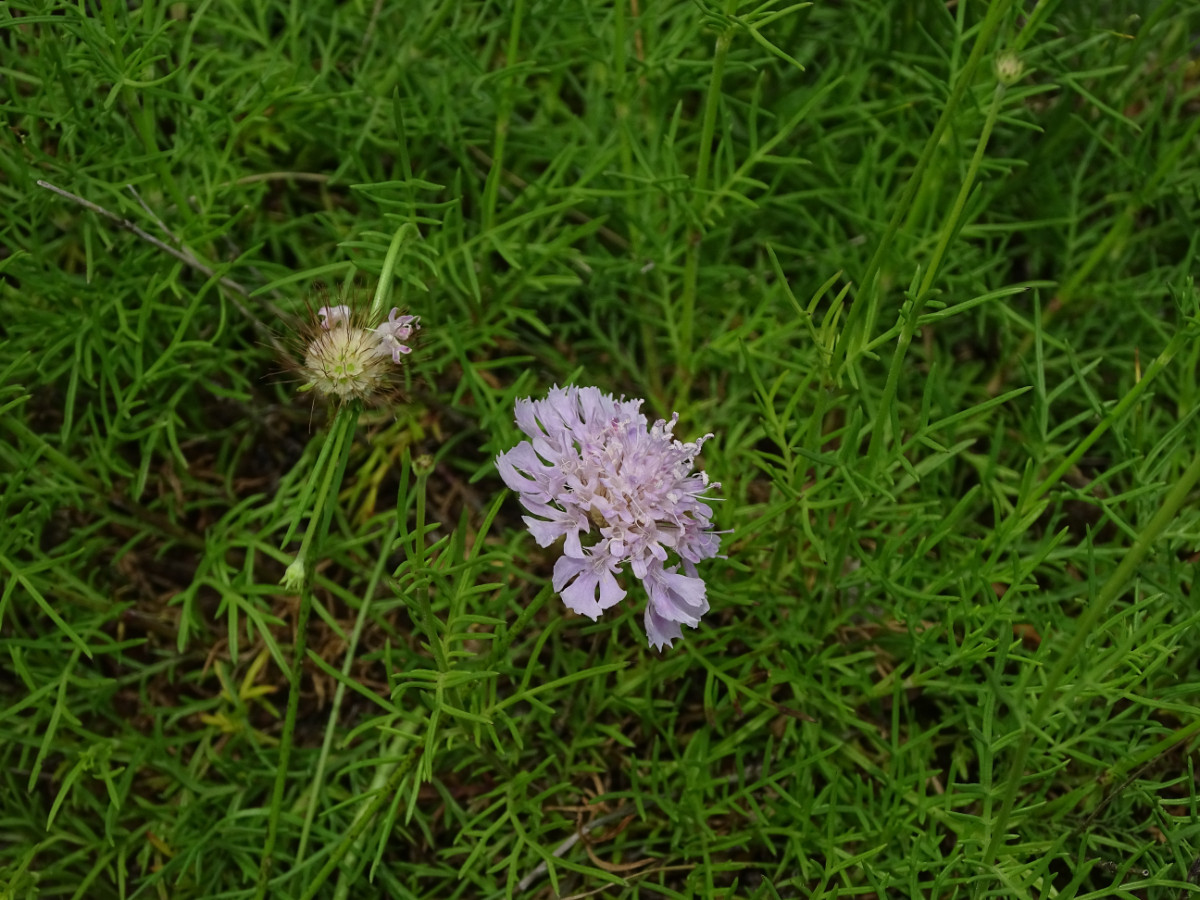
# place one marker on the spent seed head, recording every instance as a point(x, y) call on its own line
point(348, 357)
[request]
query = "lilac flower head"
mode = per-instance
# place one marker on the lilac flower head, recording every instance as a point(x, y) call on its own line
point(593, 470)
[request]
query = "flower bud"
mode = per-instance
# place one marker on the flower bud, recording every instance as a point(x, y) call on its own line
point(293, 577)
point(1009, 68)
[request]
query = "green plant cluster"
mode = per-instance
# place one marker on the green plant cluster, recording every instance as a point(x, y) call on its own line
point(924, 268)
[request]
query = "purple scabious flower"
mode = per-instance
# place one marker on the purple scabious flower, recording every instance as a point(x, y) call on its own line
point(619, 492)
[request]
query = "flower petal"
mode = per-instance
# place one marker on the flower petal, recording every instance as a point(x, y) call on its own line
point(661, 632)
point(580, 593)
point(547, 531)
point(522, 471)
point(332, 316)
point(578, 578)
point(680, 598)
point(611, 592)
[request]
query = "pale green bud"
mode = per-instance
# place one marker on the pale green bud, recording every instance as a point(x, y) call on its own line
point(1009, 68)
point(293, 577)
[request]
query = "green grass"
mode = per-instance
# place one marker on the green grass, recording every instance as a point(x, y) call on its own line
point(945, 332)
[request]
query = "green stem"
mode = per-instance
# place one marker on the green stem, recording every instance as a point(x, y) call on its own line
point(708, 127)
point(382, 796)
point(285, 740)
point(491, 188)
point(318, 528)
point(860, 321)
point(383, 290)
point(366, 811)
point(310, 486)
point(1087, 622)
point(360, 622)
point(1182, 338)
point(422, 467)
point(887, 413)
point(330, 469)
point(623, 95)
point(1123, 224)
point(343, 427)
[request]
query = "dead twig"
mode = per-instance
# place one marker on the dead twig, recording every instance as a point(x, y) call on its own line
point(540, 868)
point(184, 256)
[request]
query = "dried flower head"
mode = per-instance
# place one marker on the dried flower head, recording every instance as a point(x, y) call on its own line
point(346, 357)
point(593, 468)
